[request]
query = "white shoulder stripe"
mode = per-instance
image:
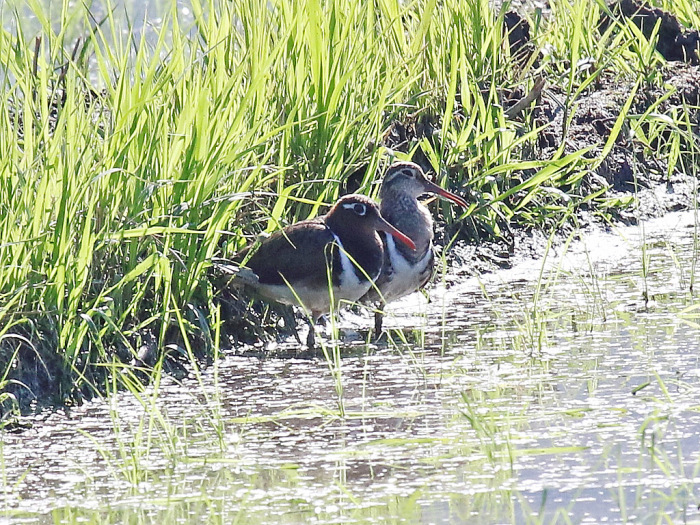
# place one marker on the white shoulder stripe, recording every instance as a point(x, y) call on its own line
point(348, 277)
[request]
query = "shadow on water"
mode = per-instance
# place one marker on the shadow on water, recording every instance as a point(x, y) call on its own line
point(560, 397)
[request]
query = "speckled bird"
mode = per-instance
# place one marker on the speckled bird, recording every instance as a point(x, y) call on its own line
point(405, 269)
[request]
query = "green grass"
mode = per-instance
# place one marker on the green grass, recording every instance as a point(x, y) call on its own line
point(126, 164)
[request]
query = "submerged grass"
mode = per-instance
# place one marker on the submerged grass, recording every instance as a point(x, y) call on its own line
point(127, 163)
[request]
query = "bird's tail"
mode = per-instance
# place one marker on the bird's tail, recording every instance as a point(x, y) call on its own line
point(238, 276)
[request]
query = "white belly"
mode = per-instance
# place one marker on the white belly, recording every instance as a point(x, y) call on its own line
point(317, 300)
point(314, 300)
point(405, 278)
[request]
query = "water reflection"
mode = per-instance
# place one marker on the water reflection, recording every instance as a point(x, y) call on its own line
point(574, 397)
point(132, 19)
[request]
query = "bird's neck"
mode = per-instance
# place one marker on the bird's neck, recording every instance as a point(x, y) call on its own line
point(409, 216)
point(364, 247)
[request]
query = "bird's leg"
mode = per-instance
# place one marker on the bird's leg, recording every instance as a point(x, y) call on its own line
point(378, 319)
point(311, 338)
point(290, 321)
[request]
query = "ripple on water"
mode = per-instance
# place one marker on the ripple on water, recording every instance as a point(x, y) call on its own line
point(573, 398)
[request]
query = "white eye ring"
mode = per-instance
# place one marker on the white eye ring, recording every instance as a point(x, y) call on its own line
point(357, 207)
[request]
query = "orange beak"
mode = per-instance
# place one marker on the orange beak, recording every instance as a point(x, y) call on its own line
point(384, 226)
point(431, 187)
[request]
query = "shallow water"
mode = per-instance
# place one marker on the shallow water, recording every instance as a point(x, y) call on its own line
point(133, 18)
point(516, 399)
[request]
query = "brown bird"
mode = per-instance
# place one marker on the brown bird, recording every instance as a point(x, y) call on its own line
point(405, 269)
point(319, 262)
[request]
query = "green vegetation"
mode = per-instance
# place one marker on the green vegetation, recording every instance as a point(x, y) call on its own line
point(126, 165)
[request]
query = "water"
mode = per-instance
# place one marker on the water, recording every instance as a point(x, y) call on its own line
point(516, 399)
point(134, 18)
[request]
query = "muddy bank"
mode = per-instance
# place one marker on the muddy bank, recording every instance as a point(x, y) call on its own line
point(631, 172)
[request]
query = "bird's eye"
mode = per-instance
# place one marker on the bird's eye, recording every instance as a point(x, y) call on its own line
point(357, 207)
point(360, 209)
point(411, 174)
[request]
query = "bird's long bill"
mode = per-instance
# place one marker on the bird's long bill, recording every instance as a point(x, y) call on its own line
point(383, 225)
point(431, 187)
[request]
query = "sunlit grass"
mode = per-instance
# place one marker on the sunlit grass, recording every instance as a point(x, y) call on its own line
point(128, 163)
point(124, 172)
point(116, 200)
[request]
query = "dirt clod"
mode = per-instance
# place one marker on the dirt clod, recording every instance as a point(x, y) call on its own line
point(674, 42)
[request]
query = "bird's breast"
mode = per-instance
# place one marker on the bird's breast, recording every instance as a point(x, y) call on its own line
point(403, 275)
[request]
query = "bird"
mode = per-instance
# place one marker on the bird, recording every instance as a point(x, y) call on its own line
point(319, 262)
point(405, 269)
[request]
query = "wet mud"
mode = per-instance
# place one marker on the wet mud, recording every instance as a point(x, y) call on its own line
point(675, 43)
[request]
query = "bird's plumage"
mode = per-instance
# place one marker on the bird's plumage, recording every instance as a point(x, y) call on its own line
point(406, 270)
point(319, 262)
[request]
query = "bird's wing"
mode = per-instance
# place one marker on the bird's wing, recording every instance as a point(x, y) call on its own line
point(296, 255)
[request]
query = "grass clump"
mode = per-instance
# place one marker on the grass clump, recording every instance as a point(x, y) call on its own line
point(128, 163)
